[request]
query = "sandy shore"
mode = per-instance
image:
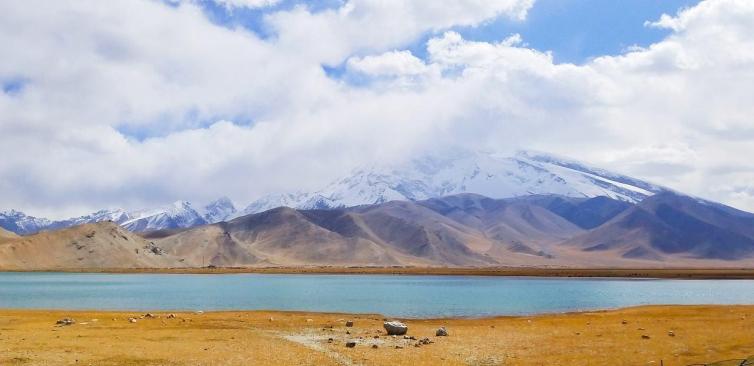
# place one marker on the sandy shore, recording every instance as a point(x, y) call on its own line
point(634, 336)
point(680, 273)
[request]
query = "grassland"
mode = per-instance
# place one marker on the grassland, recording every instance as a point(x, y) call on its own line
point(667, 335)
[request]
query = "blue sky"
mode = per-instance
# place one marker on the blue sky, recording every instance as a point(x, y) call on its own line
point(577, 30)
point(574, 30)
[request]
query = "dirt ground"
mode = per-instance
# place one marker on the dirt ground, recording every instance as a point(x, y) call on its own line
point(657, 335)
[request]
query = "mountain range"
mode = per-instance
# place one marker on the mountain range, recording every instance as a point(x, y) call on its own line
point(429, 176)
point(180, 214)
point(666, 229)
point(463, 171)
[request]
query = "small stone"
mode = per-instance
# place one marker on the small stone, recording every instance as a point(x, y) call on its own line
point(330, 340)
point(171, 316)
point(375, 346)
point(348, 332)
point(272, 319)
point(351, 344)
point(66, 321)
point(398, 347)
point(376, 337)
point(349, 323)
point(441, 332)
point(132, 320)
point(149, 315)
point(644, 336)
point(624, 322)
point(199, 312)
point(671, 333)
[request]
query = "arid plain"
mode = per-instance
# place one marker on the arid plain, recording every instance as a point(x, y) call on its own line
point(654, 335)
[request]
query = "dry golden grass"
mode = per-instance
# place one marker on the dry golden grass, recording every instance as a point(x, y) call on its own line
point(701, 334)
point(681, 273)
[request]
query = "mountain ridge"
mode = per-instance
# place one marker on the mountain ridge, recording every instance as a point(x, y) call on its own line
point(424, 177)
point(492, 175)
point(462, 230)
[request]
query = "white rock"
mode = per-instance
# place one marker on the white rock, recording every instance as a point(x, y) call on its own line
point(395, 328)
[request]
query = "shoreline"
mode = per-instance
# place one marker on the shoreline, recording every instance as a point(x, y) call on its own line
point(639, 308)
point(643, 335)
point(648, 273)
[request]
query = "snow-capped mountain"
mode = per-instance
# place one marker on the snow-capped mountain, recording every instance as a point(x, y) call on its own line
point(487, 174)
point(425, 177)
point(117, 216)
point(19, 223)
point(178, 215)
point(218, 210)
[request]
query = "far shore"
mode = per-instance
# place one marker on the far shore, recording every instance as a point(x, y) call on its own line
point(647, 335)
point(677, 273)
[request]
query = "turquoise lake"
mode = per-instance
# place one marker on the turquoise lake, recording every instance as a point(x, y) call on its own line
point(401, 296)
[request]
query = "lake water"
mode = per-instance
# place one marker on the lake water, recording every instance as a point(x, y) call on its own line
point(404, 296)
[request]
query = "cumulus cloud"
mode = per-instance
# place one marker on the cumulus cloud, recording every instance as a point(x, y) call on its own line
point(232, 4)
point(139, 103)
point(247, 3)
point(394, 63)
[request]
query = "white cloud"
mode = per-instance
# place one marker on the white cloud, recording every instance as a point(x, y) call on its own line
point(677, 112)
point(394, 63)
point(247, 3)
point(232, 4)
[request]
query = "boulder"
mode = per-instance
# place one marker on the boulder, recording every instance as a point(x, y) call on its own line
point(395, 328)
point(441, 332)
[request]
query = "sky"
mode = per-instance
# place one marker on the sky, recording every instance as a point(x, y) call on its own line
point(134, 104)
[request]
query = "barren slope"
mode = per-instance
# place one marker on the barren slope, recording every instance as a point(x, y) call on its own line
point(670, 227)
point(100, 245)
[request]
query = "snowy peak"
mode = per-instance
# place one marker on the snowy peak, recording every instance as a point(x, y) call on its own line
point(421, 178)
point(457, 172)
point(618, 180)
point(117, 216)
point(178, 215)
point(19, 223)
point(218, 210)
